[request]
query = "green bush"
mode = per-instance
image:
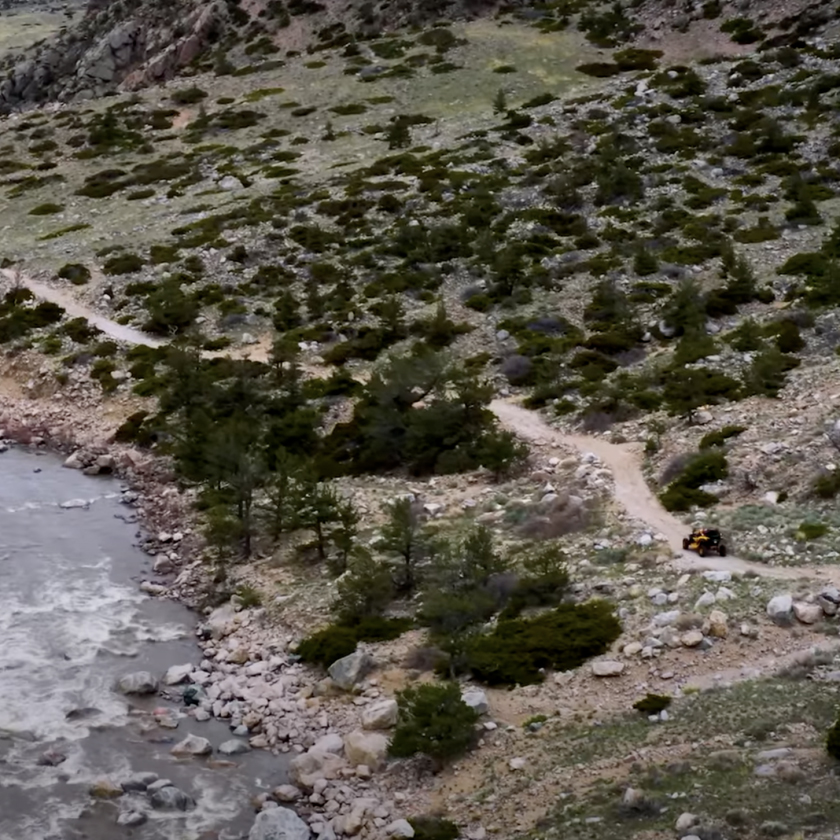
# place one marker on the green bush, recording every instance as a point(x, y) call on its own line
point(811, 530)
point(188, 96)
point(832, 740)
point(123, 264)
point(519, 650)
point(684, 492)
point(47, 209)
point(76, 273)
point(433, 721)
point(434, 828)
point(131, 430)
point(827, 486)
point(328, 645)
point(719, 437)
point(599, 69)
point(652, 704)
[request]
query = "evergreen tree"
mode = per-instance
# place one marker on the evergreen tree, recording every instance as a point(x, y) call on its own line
point(399, 133)
point(500, 102)
point(365, 591)
point(403, 535)
point(645, 262)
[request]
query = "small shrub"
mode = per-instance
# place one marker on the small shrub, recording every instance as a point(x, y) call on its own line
point(327, 645)
point(131, 430)
point(76, 273)
point(827, 486)
point(832, 740)
point(652, 704)
point(599, 69)
point(719, 437)
point(433, 721)
point(684, 492)
point(188, 96)
point(811, 531)
point(123, 264)
point(46, 209)
point(434, 828)
point(519, 650)
point(249, 596)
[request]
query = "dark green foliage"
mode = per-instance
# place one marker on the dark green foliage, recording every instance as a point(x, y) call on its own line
point(123, 264)
point(684, 492)
point(608, 27)
point(832, 740)
point(767, 374)
point(827, 485)
point(742, 30)
point(46, 209)
point(518, 650)
point(720, 436)
point(645, 262)
point(188, 96)
point(637, 59)
point(433, 721)
point(434, 828)
point(811, 530)
point(326, 646)
point(809, 264)
point(788, 338)
point(133, 430)
point(653, 704)
point(79, 330)
point(170, 309)
point(76, 273)
point(18, 317)
point(545, 583)
point(599, 69)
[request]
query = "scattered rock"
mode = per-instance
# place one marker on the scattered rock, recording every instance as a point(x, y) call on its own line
point(780, 609)
point(368, 748)
point(177, 674)
point(691, 639)
point(105, 789)
point(607, 668)
point(279, 824)
point(170, 798)
point(192, 745)
point(131, 819)
point(807, 613)
point(234, 747)
point(400, 828)
point(476, 699)
point(380, 715)
point(287, 793)
point(140, 682)
point(350, 670)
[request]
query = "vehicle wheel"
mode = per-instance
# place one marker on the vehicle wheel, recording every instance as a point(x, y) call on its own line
point(685, 545)
point(722, 550)
point(701, 550)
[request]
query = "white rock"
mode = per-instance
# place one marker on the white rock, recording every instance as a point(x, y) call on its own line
point(807, 613)
point(516, 763)
point(287, 793)
point(705, 600)
point(686, 821)
point(279, 824)
point(476, 699)
point(399, 828)
point(177, 674)
point(140, 682)
point(607, 668)
point(380, 715)
point(192, 745)
point(717, 576)
point(368, 748)
point(691, 639)
point(780, 609)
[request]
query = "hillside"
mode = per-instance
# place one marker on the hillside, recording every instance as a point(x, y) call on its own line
point(564, 276)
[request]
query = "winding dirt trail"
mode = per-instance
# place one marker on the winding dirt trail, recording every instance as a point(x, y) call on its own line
point(623, 460)
point(633, 494)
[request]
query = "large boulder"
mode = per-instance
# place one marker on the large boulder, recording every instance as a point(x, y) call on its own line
point(367, 748)
point(140, 682)
point(177, 674)
point(315, 764)
point(192, 745)
point(170, 798)
point(780, 609)
point(222, 621)
point(476, 699)
point(279, 824)
point(350, 670)
point(607, 668)
point(380, 715)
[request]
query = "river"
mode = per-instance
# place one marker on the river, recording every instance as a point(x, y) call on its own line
point(72, 621)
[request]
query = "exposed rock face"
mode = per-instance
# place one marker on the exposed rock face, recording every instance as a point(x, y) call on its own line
point(104, 52)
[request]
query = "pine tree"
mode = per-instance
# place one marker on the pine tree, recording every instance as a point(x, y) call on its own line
point(500, 102)
point(403, 535)
point(399, 133)
point(645, 262)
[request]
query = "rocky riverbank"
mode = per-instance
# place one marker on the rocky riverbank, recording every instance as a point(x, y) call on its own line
point(332, 729)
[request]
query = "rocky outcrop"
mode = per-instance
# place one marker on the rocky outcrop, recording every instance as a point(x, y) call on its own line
point(104, 53)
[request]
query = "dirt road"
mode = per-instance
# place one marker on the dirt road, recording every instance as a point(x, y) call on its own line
point(623, 460)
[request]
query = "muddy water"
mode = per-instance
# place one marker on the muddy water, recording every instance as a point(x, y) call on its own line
point(71, 622)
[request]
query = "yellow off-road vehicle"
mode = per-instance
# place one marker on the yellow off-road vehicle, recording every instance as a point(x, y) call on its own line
point(705, 541)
